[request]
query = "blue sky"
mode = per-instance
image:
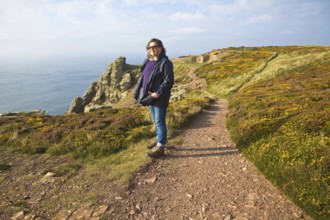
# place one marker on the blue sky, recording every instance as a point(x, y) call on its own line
point(47, 28)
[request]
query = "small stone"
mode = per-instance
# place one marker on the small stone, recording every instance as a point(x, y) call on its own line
point(168, 209)
point(30, 217)
point(26, 197)
point(50, 174)
point(228, 217)
point(84, 213)
point(244, 169)
point(138, 208)
point(18, 215)
point(222, 174)
point(190, 196)
point(99, 211)
point(64, 214)
point(151, 180)
point(204, 207)
point(232, 206)
point(297, 215)
point(242, 216)
point(88, 205)
point(118, 198)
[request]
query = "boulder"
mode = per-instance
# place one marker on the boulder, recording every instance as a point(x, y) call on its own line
point(76, 106)
point(110, 88)
point(33, 112)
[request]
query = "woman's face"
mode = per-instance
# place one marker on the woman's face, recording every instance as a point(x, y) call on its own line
point(154, 50)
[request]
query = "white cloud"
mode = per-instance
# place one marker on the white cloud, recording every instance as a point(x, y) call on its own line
point(189, 30)
point(100, 26)
point(259, 19)
point(185, 16)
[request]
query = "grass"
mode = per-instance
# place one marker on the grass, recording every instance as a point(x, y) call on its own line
point(65, 169)
point(106, 148)
point(278, 117)
point(4, 167)
point(183, 69)
point(90, 137)
point(281, 123)
point(120, 167)
point(228, 75)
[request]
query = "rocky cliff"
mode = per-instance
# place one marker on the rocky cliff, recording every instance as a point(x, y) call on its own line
point(111, 87)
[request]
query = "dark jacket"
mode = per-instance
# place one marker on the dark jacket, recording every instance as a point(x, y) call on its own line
point(163, 80)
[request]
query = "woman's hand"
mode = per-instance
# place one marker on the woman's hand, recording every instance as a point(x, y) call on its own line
point(154, 95)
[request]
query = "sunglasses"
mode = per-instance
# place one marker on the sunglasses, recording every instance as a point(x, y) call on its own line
point(152, 47)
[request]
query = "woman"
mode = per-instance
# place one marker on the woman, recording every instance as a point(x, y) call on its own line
point(156, 81)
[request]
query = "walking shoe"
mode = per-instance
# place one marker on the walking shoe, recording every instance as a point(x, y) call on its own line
point(156, 152)
point(152, 145)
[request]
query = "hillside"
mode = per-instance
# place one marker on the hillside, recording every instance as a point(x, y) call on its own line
point(278, 117)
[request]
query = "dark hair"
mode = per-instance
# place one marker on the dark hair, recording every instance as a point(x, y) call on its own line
point(158, 42)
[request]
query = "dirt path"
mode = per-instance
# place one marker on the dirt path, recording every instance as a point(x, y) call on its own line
point(204, 178)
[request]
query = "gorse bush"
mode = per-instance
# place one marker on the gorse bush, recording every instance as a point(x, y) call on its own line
point(233, 70)
point(240, 66)
point(278, 117)
point(94, 134)
point(90, 135)
point(183, 111)
point(283, 126)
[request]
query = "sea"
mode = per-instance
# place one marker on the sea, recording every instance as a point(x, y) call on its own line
point(50, 84)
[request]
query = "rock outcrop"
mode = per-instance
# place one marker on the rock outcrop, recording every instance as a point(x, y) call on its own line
point(111, 87)
point(214, 55)
point(33, 112)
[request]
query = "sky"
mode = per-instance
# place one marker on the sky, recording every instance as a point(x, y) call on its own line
point(35, 29)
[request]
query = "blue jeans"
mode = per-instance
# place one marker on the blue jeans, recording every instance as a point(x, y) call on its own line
point(158, 115)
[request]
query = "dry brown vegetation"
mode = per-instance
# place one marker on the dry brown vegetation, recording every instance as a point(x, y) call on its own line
point(278, 116)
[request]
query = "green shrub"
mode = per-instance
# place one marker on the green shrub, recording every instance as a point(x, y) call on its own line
point(278, 116)
point(89, 135)
point(179, 113)
point(282, 125)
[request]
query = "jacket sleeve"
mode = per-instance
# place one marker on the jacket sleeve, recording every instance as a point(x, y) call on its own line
point(168, 81)
point(138, 86)
point(140, 80)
